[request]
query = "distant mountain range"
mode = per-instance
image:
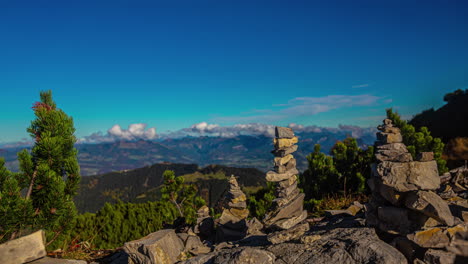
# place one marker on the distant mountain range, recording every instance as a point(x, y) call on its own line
point(239, 151)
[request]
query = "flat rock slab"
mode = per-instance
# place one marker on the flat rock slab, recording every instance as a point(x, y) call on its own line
point(288, 235)
point(408, 176)
point(163, 247)
point(48, 260)
point(284, 132)
point(431, 205)
point(23, 249)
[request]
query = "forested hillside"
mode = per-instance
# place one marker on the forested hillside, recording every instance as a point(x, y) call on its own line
point(141, 185)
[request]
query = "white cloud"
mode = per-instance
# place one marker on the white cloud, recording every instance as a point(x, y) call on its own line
point(360, 85)
point(134, 132)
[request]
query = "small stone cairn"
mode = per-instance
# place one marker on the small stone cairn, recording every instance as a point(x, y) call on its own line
point(288, 206)
point(232, 223)
point(404, 205)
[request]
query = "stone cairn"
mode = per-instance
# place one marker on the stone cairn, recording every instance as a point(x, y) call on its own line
point(288, 206)
point(404, 207)
point(232, 223)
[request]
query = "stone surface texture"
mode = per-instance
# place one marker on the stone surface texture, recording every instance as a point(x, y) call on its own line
point(288, 206)
point(23, 249)
point(405, 204)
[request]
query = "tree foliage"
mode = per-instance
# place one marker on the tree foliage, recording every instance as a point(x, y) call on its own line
point(113, 225)
point(419, 141)
point(261, 201)
point(344, 172)
point(182, 196)
point(49, 176)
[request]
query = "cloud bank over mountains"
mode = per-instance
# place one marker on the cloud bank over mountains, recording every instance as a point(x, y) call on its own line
point(140, 131)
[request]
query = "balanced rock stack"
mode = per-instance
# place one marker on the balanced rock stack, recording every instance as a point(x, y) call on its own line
point(288, 206)
point(403, 203)
point(232, 223)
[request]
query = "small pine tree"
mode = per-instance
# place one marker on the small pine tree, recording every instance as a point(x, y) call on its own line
point(49, 175)
point(352, 164)
point(321, 176)
point(182, 196)
point(419, 141)
point(345, 171)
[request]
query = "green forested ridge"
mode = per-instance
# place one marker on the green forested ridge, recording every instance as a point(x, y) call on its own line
point(142, 185)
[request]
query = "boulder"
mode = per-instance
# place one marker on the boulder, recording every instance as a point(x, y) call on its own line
point(431, 238)
point(339, 245)
point(284, 132)
point(434, 256)
point(163, 246)
point(246, 255)
point(409, 176)
point(48, 260)
point(23, 249)
point(254, 226)
point(393, 220)
point(194, 245)
point(289, 234)
point(431, 205)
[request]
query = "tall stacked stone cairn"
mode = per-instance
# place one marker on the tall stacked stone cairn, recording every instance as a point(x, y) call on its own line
point(232, 224)
point(404, 206)
point(287, 210)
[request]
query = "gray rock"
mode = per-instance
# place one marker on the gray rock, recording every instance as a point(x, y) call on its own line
point(291, 164)
point(434, 256)
point(290, 222)
point(288, 182)
point(246, 255)
point(294, 208)
point(388, 138)
point(393, 220)
point(48, 260)
point(285, 151)
point(163, 246)
point(339, 245)
point(273, 176)
point(201, 259)
point(409, 176)
point(23, 249)
point(195, 246)
point(254, 227)
point(425, 156)
point(430, 238)
point(431, 205)
point(289, 234)
point(284, 132)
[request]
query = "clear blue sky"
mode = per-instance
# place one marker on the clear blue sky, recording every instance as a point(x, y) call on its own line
point(171, 64)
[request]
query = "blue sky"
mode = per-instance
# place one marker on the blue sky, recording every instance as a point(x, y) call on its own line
point(172, 64)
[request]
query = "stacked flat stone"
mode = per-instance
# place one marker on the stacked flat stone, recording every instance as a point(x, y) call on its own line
point(403, 201)
point(288, 206)
point(232, 223)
